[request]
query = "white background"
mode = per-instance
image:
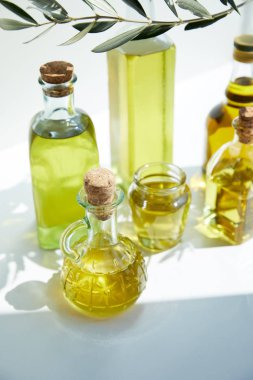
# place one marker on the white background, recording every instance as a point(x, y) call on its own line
point(194, 321)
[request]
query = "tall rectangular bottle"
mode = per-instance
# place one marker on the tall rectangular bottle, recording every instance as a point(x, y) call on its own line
point(141, 95)
point(62, 148)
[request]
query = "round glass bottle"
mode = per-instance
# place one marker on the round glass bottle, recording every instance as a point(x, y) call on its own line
point(239, 93)
point(159, 199)
point(62, 147)
point(103, 272)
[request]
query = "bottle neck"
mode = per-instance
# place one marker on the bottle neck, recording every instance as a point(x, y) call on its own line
point(243, 132)
point(102, 233)
point(242, 70)
point(240, 89)
point(58, 100)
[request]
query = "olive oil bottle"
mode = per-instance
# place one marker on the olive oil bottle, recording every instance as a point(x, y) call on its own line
point(103, 272)
point(239, 93)
point(141, 98)
point(62, 147)
point(229, 185)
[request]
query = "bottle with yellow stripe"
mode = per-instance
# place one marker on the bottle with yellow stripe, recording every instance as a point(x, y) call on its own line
point(239, 93)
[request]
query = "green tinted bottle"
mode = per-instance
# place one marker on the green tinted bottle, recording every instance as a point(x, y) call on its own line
point(62, 148)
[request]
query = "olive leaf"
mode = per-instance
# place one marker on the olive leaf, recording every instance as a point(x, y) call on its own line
point(194, 7)
point(51, 8)
point(172, 7)
point(103, 5)
point(202, 24)
point(17, 11)
point(40, 34)
point(232, 3)
point(79, 35)
point(152, 31)
point(118, 40)
point(8, 24)
point(136, 6)
point(99, 26)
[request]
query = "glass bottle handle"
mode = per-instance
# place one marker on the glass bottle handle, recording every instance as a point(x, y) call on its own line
point(65, 241)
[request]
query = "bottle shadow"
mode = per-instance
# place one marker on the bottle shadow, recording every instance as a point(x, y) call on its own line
point(131, 325)
point(18, 240)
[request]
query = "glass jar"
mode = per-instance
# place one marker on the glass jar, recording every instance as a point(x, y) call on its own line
point(159, 199)
point(103, 272)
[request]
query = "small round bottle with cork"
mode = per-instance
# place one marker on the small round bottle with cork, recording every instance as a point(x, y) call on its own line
point(62, 147)
point(103, 272)
point(229, 191)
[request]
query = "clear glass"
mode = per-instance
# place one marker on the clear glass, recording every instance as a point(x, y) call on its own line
point(62, 148)
point(103, 272)
point(141, 99)
point(159, 199)
point(229, 192)
point(239, 93)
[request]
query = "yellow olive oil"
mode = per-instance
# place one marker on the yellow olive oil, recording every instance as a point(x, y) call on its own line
point(106, 280)
point(219, 123)
point(59, 157)
point(141, 90)
point(159, 211)
point(229, 200)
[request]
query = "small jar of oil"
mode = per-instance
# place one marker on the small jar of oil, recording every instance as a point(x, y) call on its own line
point(159, 199)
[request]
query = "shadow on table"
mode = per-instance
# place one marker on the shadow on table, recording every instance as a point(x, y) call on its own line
point(192, 333)
point(18, 238)
point(34, 295)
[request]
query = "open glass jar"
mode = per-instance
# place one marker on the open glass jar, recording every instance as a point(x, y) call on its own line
point(159, 199)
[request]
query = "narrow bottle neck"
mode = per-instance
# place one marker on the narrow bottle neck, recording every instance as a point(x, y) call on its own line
point(240, 89)
point(58, 99)
point(242, 70)
point(59, 108)
point(102, 233)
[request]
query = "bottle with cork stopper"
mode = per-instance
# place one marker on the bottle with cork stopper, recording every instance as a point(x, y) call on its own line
point(62, 147)
point(229, 190)
point(239, 93)
point(103, 272)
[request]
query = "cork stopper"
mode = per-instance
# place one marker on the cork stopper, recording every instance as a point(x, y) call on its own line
point(244, 127)
point(56, 72)
point(100, 189)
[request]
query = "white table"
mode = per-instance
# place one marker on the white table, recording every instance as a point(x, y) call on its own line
point(194, 321)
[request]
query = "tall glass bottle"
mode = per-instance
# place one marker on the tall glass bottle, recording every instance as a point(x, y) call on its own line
point(62, 147)
point(141, 94)
point(239, 93)
point(229, 185)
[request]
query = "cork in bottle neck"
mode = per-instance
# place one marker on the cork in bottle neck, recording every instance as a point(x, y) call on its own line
point(56, 77)
point(244, 125)
point(100, 188)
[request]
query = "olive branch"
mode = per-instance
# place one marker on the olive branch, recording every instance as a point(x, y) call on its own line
point(105, 16)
